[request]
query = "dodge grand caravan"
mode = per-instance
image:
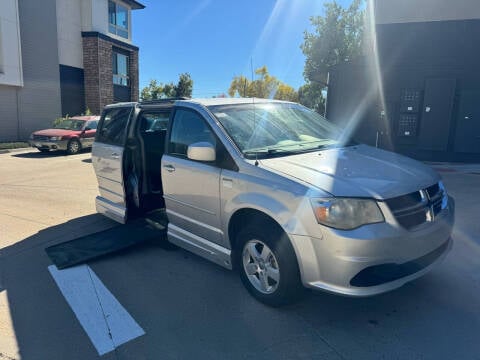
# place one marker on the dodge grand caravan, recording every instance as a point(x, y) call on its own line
point(274, 190)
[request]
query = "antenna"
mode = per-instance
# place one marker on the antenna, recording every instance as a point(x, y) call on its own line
point(254, 112)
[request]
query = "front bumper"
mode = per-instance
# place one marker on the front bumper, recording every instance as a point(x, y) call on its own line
point(372, 259)
point(49, 145)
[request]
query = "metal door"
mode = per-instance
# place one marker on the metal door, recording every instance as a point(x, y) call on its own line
point(467, 134)
point(191, 188)
point(437, 114)
point(107, 159)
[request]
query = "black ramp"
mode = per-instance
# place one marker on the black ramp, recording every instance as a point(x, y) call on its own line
point(85, 248)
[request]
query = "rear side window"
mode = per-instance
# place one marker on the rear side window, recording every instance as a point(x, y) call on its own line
point(113, 126)
point(154, 122)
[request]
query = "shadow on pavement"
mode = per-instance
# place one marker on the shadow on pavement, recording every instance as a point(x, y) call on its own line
point(191, 308)
point(35, 154)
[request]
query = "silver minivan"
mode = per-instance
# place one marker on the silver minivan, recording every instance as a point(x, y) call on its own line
point(274, 190)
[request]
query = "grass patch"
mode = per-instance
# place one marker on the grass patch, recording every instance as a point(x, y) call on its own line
point(13, 145)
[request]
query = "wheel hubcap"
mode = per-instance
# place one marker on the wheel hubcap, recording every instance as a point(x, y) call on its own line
point(74, 146)
point(261, 266)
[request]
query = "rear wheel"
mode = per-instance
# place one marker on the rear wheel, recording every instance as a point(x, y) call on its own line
point(268, 266)
point(73, 147)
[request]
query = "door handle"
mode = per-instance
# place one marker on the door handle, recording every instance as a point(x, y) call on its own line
point(169, 168)
point(115, 156)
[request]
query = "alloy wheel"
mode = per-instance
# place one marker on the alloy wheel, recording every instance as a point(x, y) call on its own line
point(261, 266)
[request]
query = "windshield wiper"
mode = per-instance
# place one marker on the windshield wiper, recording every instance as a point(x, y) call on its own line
point(266, 153)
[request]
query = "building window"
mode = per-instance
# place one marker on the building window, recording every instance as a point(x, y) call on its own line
point(117, 19)
point(120, 69)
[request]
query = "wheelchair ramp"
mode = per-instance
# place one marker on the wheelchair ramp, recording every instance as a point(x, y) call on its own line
point(152, 226)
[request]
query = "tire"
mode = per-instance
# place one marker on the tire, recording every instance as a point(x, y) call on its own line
point(73, 147)
point(268, 265)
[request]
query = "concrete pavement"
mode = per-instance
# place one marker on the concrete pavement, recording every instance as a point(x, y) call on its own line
point(190, 308)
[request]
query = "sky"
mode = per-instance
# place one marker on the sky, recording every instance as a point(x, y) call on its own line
point(215, 40)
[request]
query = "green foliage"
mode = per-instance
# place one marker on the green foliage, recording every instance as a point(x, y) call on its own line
point(311, 96)
point(265, 86)
point(337, 37)
point(156, 90)
point(88, 112)
point(184, 86)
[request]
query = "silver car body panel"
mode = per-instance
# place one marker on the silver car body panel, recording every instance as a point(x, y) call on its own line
point(107, 162)
point(356, 171)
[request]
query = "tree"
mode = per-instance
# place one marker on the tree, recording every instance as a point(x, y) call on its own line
point(239, 85)
point(266, 86)
point(156, 90)
point(311, 96)
point(152, 91)
point(286, 92)
point(337, 37)
point(184, 86)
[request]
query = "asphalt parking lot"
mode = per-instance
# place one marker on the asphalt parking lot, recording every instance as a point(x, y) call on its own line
point(190, 308)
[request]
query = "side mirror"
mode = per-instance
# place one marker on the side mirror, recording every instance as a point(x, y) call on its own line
point(201, 151)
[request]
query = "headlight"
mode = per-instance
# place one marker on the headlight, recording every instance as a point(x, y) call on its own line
point(345, 213)
point(55, 138)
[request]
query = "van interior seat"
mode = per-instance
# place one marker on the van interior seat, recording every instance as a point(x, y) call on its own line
point(154, 146)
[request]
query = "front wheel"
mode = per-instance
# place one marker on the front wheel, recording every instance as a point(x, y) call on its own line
point(73, 147)
point(268, 266)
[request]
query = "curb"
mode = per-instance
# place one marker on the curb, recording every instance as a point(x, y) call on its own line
point(6, 151)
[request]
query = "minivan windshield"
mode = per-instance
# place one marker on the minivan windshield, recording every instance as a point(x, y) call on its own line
point(276, 129)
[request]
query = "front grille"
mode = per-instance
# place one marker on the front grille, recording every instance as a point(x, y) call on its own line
point(41, 137)
point(418, 207)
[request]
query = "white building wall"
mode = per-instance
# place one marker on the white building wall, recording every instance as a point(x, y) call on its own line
point(75, 16)
point(86, 11)
point(10, 49)
point(69, 28)
point(404, 11)
point(99, 16)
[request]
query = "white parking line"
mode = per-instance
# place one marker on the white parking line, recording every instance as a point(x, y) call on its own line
point(104, 319)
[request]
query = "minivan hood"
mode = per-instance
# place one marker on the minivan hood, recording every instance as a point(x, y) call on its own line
point(56, 132)
point(356, 171)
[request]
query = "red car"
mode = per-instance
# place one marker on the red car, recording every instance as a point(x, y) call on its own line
point(70, 135)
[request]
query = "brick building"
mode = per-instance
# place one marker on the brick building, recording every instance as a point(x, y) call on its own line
point(60, 57)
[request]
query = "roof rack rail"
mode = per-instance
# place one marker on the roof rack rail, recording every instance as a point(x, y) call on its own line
point(164, 100)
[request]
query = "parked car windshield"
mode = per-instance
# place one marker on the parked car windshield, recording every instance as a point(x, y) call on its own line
point(276, 129)
point(70, 125)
